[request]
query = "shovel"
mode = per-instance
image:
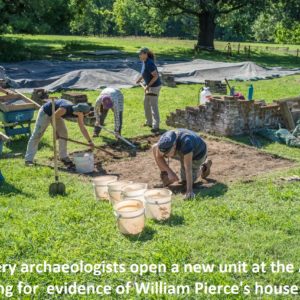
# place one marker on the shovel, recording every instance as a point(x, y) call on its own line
point(147, 93)
point(84, 144)
point(56, 188)
point(133, 147)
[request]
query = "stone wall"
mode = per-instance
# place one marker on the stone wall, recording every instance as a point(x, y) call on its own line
point(227, 116)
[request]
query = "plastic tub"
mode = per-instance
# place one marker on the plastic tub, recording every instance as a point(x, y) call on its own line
point(130, 216)
point(115, 190)
point(100, 186)
point(158, 204)
point(84, 162)
point(135, 191)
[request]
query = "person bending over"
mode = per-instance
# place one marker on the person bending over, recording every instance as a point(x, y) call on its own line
point(63, 108)
point(109, 98)
point(188, 147)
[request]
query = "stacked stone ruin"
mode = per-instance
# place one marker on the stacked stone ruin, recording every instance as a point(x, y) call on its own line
point(40, 96)
point(75, 97)
point(227, 116)
point(216, 86)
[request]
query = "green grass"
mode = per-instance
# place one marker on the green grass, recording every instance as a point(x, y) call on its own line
point(256, 221)
point(59, 47)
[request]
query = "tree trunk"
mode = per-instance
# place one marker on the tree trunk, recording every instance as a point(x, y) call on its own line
point(206, 34)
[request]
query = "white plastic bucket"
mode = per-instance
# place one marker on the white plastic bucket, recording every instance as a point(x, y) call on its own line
point(135, 191)
point(100, 186)
point(158, 204)
point(84, 162)
point(130, 216)
point(115, 190)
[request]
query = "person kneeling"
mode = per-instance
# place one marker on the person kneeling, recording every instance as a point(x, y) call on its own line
point(190, 149)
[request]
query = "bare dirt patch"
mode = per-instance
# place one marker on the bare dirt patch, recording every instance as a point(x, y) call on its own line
point(231, 162)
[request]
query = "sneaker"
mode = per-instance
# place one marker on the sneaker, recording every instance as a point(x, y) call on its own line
point(66, 161)
point(29, 163)
point(155, 130)
point(95, 135)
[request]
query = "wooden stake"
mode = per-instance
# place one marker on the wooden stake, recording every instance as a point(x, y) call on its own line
point(287, 115)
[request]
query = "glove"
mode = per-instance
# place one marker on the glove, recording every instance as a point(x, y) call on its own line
point(205, 169)
point(165, 178)
point(189, 196)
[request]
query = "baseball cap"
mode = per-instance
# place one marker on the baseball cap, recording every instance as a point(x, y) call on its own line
point(82, 107)
point(143, 50)
point(107, 102)
point(167, 141)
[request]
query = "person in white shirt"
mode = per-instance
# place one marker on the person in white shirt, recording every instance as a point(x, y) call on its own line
point(109, 98)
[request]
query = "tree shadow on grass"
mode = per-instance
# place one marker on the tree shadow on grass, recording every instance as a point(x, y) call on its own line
point(259, 57)
point(56, 48)
point(8, 189)
point(146, 235)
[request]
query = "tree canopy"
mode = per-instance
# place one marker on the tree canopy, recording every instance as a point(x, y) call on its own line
point(238, 20)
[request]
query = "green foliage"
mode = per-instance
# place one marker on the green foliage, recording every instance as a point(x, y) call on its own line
point(284, 35)
point(264, 29)
point(231, 20)
point(34, 16)
point(129, 17)
point(208, 14)
point(230, 27)
point(91, 17)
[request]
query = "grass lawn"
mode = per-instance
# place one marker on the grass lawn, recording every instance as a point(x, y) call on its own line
point(257, 221)
point(60, 47)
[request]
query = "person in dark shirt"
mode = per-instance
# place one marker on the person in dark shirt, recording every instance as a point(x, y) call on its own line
point(190, 149)
point(152, 88)
point(63, 108)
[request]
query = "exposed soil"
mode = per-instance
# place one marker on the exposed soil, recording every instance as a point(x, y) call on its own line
point(231, 162)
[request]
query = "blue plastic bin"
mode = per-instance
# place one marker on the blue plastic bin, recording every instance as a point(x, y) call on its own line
point(17, 122)
point(16, 116)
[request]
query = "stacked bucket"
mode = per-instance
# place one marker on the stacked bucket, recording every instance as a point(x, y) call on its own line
point(133, 202)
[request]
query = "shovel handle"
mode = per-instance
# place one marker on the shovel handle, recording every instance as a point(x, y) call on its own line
point(4, 137)
point(142, 85)
point(30, 100)
point(54, 139)
point(227, 82)
point(120, 137)
point(84, 144)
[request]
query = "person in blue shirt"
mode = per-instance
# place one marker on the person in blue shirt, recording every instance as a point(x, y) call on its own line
point(152, 88)
point(190, 149)
point(63, 108)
